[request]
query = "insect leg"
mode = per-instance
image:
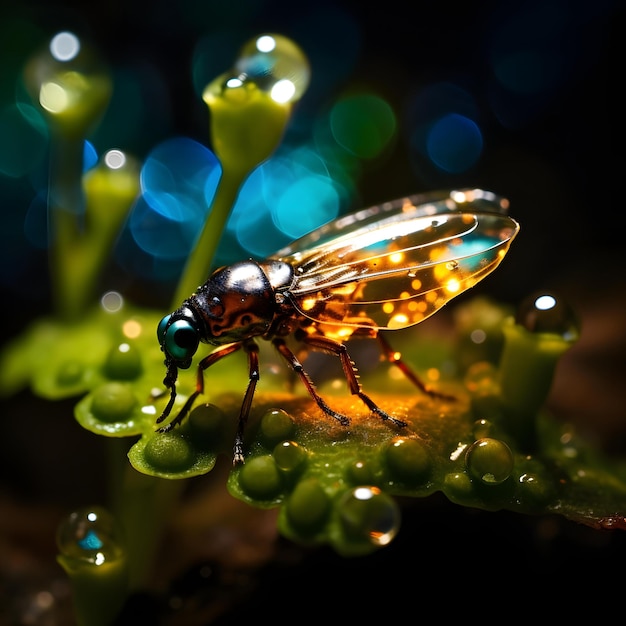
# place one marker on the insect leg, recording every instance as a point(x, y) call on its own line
point(252, 350)
point(324, 344)
point(395, 358)
point(206, 362)
point(291, 358)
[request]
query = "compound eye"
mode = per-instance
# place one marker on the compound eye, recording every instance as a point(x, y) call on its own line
point(181, 340)
point(161, 328)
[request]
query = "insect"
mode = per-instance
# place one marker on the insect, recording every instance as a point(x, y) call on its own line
point(382, 268)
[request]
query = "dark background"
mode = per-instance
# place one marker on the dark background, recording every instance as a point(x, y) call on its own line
point(554, 151)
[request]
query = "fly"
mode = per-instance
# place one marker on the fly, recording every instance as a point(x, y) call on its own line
point(386, 267)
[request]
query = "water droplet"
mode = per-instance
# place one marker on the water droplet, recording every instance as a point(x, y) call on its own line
point(369, 514)
point(123, 362)
point(289, 456)
point(207, 425)
point(90, 534)
point(276, 65)
point(359, 473)
point(260, 479)
point(482, 428)
point(546, 312)
point(280, 70)
point(276, 425)
point(169, 452)
point(70, 83)
point(113, 402)
point(489, 460)
point(408, 460)
point(308, 505)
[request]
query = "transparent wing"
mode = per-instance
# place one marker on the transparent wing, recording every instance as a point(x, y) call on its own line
point(391, 266)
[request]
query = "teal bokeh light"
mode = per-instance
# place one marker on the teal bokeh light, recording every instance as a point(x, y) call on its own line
point(284, 198)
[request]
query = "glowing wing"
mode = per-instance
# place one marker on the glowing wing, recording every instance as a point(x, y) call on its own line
point(391, 266)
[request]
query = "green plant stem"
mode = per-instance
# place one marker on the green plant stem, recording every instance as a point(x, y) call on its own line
point(99, 592)
point(527, 368)
point(66, 212)
point(200, 260)
point(143, 505)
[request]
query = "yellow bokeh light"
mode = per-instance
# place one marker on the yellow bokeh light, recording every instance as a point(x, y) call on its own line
point(131, 329)
point(433, 374)
point(53, 97)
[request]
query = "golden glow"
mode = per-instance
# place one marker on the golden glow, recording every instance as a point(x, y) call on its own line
point(405, 295)
point(132, 329)
point(453, 286)
point(395, 374)
point(308, 304)
point(460, 196)
point(344, 332)
point(416, 284)
point(433, 374)
point(396, 257)
point(396, 356)
point(400, 320)
point(388, 307)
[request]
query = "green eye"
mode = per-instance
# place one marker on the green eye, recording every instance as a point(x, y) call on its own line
point(181, 340)
point(161, 328)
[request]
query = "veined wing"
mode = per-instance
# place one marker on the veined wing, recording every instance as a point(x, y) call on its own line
point(393, 265)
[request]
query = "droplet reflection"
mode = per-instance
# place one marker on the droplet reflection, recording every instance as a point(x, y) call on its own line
point(90, 535)
point(545, 312)
point(369, 514)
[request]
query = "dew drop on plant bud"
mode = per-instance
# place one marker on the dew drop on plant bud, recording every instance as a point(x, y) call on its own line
point(545, 312)
point(91, 535)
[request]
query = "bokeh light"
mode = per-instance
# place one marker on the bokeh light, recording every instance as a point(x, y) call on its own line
point(363, 124)
point(445, 136)
point(284, 198)
point(454, 143)
point(178, 181)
